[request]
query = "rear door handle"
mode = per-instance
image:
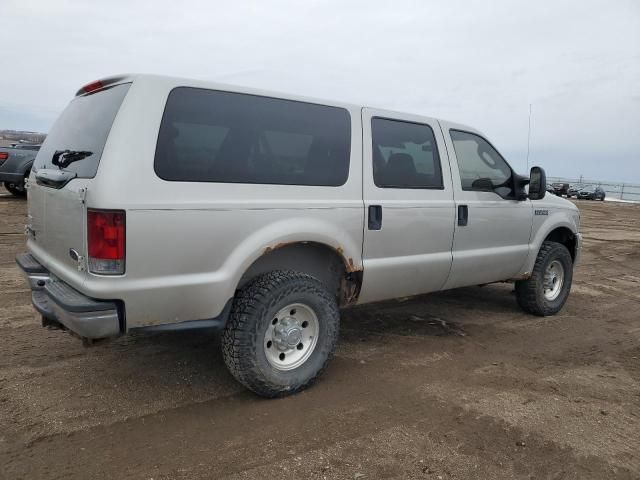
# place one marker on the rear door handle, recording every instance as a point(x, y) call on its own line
point(375, 217)
point(463, 215)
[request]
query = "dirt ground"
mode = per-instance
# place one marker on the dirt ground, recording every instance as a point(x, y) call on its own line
point(458, 385)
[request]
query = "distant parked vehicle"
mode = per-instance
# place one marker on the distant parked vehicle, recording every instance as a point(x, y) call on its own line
point(574, 189)
point(15, 166)
point(591, 192)
point(560, 189)
point(23, 146)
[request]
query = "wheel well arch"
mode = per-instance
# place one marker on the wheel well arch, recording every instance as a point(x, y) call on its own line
point(326, 263)
point(564, 236)
point(24, 166)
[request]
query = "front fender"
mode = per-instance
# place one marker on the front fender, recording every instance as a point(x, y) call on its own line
point(563, 218)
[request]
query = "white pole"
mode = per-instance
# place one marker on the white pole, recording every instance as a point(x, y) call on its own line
point(529, 137)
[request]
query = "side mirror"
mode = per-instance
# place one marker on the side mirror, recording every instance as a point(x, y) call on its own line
point(537, 183)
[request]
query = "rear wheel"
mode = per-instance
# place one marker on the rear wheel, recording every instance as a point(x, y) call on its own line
point(281, 333)
point(16, 188)
point(546, 291)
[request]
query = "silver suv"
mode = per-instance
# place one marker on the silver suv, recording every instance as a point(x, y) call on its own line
point(161, 204)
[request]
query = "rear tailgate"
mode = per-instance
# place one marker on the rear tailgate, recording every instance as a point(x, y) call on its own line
point(57, 214)
point(12, 158)
point(57, 226)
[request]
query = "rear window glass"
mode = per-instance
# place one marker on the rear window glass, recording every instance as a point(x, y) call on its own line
point(83, 125)
point(214, 136)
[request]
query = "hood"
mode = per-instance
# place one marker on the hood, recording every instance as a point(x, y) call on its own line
point(553, 201)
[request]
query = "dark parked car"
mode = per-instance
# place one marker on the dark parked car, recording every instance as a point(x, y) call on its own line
point(574, 189)
point(15, 166)
point(591, 193)
point(560, 189)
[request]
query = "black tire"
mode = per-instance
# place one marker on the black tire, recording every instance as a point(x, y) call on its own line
point(530, 292)
point(15, 189)
point(254, 307)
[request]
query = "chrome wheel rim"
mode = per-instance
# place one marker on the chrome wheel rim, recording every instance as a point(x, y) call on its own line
point(553, 280)
point(291, 336)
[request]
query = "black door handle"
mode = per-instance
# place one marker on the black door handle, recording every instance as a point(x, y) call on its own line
point(375, 217)
point(463, 215)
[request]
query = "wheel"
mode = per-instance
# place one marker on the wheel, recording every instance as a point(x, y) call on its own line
point(546, 291)
point(281, 333)
point(16, 189)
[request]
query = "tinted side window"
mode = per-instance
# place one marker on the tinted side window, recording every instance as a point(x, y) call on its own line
point(405, 155)
point(477, 159)
point(214, 136)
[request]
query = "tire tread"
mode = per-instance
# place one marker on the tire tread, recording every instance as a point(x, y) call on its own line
point(528, 293)
point(239, 339)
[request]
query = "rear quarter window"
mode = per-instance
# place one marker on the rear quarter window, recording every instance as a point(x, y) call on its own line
point(83, 125)
point(215, 136)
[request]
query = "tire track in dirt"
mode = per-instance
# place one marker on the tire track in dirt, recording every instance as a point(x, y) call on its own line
point(406, 396)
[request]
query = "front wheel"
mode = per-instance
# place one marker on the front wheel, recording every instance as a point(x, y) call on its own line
point(547, 290)
point(281, 333)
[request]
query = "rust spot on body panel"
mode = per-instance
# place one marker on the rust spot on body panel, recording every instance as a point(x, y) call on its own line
point(276, 246)
point(351, 267)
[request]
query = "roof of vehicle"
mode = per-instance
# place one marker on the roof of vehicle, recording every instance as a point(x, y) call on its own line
point(25, 146)
point(187, 82)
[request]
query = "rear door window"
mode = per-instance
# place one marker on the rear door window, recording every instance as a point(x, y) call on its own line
point(215, 136)
point(83, 125)
point(405, 155)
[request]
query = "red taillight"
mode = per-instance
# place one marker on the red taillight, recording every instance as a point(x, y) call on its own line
point(106, 241)
point(3, 156)
point(92, 87)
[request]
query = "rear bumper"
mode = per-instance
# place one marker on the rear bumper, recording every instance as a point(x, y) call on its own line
point(11, 177)
point(59, 303)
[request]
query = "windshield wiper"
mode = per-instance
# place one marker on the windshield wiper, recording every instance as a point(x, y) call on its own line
point(64, 158)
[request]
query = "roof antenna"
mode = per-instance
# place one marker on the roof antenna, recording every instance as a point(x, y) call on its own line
point(529, 137)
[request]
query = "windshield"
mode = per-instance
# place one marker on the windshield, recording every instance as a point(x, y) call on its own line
point(83, 126)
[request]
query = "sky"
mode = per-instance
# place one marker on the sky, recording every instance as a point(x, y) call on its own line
point(577, 63)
